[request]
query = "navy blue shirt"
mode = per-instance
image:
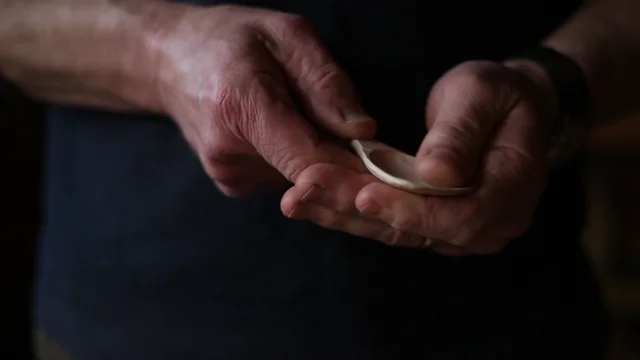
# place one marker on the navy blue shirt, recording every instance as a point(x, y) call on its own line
point(142, 258)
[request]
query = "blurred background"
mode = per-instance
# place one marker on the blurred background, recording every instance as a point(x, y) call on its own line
point(613, 234)
point(612, 237)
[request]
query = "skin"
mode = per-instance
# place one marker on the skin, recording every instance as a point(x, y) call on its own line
point(228, 76)
point(498, 122)
point(503, 110)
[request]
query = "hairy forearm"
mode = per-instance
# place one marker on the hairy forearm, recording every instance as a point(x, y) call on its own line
point(604, 39)
point(82, 52)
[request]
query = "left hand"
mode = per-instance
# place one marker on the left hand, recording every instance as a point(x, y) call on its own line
point(488, 124)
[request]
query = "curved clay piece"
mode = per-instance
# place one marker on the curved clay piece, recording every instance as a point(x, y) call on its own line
point(396, 168)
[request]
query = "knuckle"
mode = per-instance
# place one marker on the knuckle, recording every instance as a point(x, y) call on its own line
point(476, 77)
point(331, 221)
point(463, 238)
point(403, 221)
point(290, 161)
point(224, 101)
point(461, 133)
point(314, 174)
point(222, 166)
point(266, 88)
point(465, 235)
point(317, 69)
point(469, 234)
point(228, 179)
point(390, 236)
point(465, 217)
point(406, 239)
point(212, 153)
point(518, 165)
point(223, 174)
point(328, 76)
point(235, 109)
point(291, 164)
point(489, 83)
point(295, 24)
point(526, 161)
point(231, 191)
point(343, 207)
point(481, 80)
point(385, 236)
point(474, 215)
point(399, 238)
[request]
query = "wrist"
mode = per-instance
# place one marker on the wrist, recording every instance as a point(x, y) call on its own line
point(171, 44)
point(566, 86)
point(152, 22)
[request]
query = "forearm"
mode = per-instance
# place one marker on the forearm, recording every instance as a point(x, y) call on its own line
point(82, 52)
point(604, 39)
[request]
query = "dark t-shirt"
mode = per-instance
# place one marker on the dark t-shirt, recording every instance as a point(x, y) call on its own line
point(142, 258)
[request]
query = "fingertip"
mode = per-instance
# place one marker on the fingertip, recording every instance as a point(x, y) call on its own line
point(292, 198)
point(364, 131)
point(286, 203)
point(358, 125)
point(368, 207)
point(370, 196)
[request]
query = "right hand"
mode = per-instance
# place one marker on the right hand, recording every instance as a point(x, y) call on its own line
point(229, 75)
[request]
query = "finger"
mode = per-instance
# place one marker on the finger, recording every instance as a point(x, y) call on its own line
point(329, 185)
point(509, 168)
point(517, 160)
point(461, 225)
point(518, 141)
point(290, 145)
point(235, 174)
point(457, 221)
point(250, 186)
point(324, 88)
point(233, 169)
point(355, 225)
point(276, 129)
point(463, 111)
point(515, 172)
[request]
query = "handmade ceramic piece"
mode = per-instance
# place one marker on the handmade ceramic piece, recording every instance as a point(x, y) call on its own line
point(396, 168)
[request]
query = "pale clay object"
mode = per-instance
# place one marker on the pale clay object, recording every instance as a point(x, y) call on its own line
point(396, 168)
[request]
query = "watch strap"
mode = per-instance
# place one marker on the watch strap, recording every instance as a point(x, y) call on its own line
point(570, 128)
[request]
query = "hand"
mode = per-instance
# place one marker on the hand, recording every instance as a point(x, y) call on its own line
point(488, 124)
point(229, 76)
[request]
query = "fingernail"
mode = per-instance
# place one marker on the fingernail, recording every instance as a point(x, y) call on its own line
point(292, 213)
point(352, 117)
point(309, 194)
point(370, 208)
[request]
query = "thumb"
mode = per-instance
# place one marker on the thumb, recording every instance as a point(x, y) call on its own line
point(291, 144)
point(461, 124)
point(323, 87)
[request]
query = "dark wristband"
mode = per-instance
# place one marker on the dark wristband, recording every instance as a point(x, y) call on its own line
point(574, 99)
point(567, 77)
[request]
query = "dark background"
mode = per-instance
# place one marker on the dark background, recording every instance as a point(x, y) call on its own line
point(21, 141)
